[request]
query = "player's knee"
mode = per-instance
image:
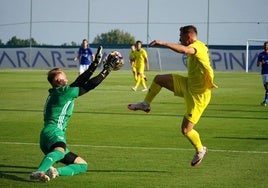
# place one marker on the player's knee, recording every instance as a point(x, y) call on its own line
point(165, 81)
point(79, 160)
point(184, 131)
point(186, 126)
point(157, 79)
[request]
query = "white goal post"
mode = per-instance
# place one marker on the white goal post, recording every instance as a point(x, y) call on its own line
point(250, 42)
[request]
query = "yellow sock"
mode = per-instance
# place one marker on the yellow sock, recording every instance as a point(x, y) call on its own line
point(194, 138)
point(143, 82)
point(138, 82)
point(153, 91)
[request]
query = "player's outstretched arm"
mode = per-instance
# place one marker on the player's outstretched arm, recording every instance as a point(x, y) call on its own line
point(174, 46)
point(83, 78)
point(113, 62)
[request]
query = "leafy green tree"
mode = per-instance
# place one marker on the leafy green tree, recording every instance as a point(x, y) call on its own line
point(72, 44)
point(14, 41)
point(1, 43)
point(115, 36)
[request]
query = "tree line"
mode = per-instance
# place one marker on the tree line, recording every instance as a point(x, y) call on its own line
point(113, 37)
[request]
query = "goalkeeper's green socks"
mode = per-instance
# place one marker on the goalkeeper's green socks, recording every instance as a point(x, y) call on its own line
point(72, 169)
point(50, 159)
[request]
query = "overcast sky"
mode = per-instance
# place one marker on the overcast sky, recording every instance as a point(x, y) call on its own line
point(219, 22)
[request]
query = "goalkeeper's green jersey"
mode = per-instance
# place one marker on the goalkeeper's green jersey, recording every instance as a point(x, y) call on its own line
point(59, 106)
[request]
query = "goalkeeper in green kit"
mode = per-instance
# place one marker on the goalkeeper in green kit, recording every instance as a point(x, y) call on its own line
point(57, 111)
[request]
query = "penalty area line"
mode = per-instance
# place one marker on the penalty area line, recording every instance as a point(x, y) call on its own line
point(139, 148)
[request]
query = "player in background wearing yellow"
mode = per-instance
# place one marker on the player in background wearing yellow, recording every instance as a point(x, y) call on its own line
point(195, 88)
point(132, 61)
point(141, 63)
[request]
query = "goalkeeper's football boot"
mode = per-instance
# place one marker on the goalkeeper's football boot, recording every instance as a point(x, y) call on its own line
point(198, 157)
point(110, 62)
point(140, 106)
point(52, 173)
point(39, 176)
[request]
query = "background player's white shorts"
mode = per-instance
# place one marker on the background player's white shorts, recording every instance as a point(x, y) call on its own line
point(83, 68)
point(265, 78)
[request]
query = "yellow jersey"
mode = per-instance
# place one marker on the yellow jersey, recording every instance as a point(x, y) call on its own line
point(200, 73)
point(140, 56)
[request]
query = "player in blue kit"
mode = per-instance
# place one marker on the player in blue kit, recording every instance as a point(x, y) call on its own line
point(263, 63)
point(57, 112)
point(85, 56)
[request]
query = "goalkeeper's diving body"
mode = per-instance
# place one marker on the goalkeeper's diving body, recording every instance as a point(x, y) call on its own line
point(57, 111)
point(195, 88)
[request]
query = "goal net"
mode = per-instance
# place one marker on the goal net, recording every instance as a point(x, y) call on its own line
point(254, 47)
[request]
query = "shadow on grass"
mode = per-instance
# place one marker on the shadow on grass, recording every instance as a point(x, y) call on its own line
point(7, 173)
point(241, 138)
point(10, 172)
point(130, 113)
point(128, 171)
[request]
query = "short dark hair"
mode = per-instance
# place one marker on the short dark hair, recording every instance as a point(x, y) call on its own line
point(188, 29)
point(52, 74)
point(138, 41)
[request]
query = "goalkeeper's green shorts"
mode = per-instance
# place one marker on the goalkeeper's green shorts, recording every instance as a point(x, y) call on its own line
point(49, 136)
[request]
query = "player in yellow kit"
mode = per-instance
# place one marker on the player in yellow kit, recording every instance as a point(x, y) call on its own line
point(132, 61)
point(195, 88)
point(141, 62)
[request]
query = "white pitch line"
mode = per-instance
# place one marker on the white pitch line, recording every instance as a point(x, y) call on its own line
point(141, 148)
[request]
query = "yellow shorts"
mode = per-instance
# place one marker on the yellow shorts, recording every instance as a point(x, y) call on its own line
point(195, 103)
point(140, 68)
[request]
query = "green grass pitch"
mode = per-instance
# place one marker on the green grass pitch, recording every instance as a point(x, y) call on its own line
point(134, 149)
